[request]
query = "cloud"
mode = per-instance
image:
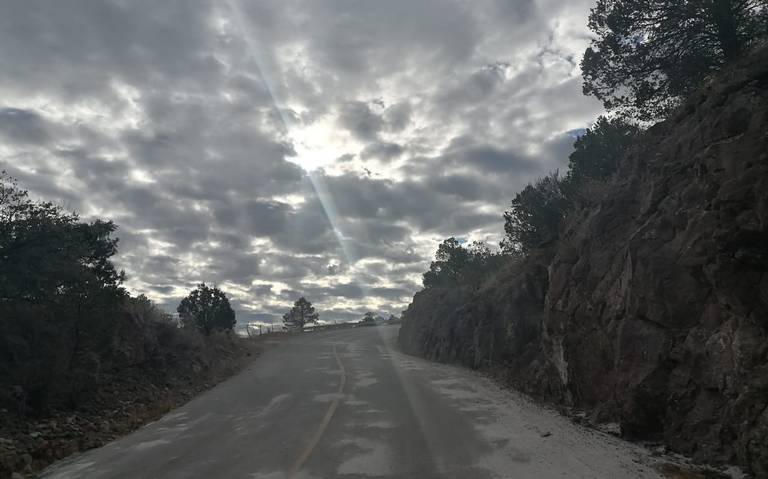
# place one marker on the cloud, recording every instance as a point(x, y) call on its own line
point(23, 126)
point(464, 187)
point(398, 116)
point(464, 152)
point(383, 151)
point(191, 124)
point(360, 120)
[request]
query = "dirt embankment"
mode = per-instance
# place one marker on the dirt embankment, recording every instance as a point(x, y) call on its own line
point(652, 308)
point(151, 369)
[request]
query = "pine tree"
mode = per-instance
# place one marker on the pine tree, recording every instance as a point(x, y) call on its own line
point(301, 314)
point(207, 309)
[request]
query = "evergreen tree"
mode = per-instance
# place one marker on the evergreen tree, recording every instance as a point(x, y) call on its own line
point(207, 309)
point(598, 152)
point(535, 216)
point(649, 54)
point(300, 315)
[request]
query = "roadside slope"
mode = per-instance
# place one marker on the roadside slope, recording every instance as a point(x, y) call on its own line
point(651, 309)
point(153, 367)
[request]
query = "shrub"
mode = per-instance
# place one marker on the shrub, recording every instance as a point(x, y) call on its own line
point(535, 216)
point(207, 309)
point(455, 264)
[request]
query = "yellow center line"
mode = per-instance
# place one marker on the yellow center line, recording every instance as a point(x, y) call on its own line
point(324, 423)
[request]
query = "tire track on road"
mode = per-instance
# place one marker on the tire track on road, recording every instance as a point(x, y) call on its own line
point(324, 423)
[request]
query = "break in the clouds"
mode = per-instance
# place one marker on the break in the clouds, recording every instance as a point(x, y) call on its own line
point(283, 148)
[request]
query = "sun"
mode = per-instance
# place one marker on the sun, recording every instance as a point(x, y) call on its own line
point(319, 144)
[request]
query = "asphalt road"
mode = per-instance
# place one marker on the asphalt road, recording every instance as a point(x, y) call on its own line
point(348, 404)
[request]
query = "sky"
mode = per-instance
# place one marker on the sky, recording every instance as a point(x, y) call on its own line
point(286, 148)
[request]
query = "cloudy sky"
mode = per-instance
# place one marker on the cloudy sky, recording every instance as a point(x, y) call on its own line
point(281, 148)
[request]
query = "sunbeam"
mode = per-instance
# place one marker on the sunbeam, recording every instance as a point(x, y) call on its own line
point(288, 126)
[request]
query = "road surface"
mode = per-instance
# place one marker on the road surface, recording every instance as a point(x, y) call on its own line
point(348, 404)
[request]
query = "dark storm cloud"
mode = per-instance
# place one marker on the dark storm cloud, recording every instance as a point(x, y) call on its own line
point(369, 39)
point(171, 219)
point(231, 239)
point(164, 266)
point(349, 290)
point(361, 120)
point(291, 267)
point(162, 289)
point(391, 294)
point(469, 221)
point(383, 151)
point(464, 187)
point(42, 184)
point(234, 268)
point(398, 116)
point(516, 11)
point(464, 152)
point(254, 217)
point(386, 200)
point(377, 231)
point(474, 88)
point(419, 203)
point(308, 230)
point(559, 149)
point(22, 126)
point(75, 48)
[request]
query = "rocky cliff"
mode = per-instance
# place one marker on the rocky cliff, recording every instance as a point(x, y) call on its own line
point(652, 308)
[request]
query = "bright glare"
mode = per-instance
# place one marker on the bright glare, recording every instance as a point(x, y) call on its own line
point(318, 144)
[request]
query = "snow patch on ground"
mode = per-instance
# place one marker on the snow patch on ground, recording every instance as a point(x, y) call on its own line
point(536, 441)
point(374, 458)
point(149, 444)
point(328, 397)
point(365, 379)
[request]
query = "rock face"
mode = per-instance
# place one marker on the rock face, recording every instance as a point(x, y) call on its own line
point(495, 324)
point(653, 307)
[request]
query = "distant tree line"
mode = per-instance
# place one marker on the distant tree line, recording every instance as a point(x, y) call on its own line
point(303, 314)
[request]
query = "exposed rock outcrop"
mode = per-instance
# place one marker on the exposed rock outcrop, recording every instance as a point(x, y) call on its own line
point(652, 308)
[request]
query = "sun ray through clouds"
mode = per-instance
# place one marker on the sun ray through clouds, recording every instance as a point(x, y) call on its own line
point(289, 128)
